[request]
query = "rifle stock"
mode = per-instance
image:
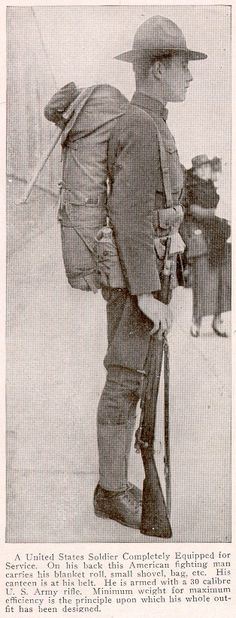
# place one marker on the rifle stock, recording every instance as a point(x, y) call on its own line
point(155, 512)
point(155, 520)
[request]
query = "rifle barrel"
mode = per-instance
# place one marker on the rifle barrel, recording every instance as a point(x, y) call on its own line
point(167, 468)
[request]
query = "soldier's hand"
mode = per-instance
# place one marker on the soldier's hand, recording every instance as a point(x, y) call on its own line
point(158, 312)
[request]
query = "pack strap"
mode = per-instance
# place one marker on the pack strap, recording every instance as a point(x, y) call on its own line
point(164, 164)
point(77, 106)
point(78, 232)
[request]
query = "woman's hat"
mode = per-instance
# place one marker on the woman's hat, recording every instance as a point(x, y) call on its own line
point(157, 37)
point(200, 160)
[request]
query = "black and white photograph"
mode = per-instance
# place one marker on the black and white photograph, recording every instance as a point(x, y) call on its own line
point(118, 317)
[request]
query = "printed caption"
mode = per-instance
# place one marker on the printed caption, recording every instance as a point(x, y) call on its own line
point(86, 583)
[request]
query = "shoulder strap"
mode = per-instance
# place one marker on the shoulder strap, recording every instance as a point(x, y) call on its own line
point(164, 164)
point(72, 113)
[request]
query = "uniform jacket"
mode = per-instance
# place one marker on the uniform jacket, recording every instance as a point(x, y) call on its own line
point(137, 192)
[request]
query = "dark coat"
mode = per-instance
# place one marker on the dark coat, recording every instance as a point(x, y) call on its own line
point(215, 230)
point(199, 191)
point(137, 192)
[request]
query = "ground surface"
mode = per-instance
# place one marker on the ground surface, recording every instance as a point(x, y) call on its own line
point(56, 340)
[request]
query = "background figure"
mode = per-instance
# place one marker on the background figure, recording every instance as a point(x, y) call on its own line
point(207, 255)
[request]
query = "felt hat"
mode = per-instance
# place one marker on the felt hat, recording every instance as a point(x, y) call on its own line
point(157, 37)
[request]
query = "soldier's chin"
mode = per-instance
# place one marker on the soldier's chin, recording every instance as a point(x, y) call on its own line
point(179, 98)
point(182, 96)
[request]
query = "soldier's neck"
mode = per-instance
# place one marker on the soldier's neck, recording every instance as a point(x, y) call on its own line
point(154, 92)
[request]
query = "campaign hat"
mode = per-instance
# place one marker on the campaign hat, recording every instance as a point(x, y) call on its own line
point(158, 37)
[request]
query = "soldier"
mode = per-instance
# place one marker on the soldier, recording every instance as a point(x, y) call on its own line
point(138, 215)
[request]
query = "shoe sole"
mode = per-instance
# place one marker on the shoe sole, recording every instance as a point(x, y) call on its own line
point(106, 516)
point(151, 532)
point(219, 333)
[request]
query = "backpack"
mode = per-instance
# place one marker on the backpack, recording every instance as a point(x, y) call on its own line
point(89, 250)
point(84, 187)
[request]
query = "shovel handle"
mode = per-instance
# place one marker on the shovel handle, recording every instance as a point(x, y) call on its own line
point(39, 167)
point(45, 156)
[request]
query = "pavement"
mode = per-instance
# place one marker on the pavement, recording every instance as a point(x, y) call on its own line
point(56, 341)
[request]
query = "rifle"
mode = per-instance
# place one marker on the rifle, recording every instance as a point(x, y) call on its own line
point(167, 469)
point(155, 512)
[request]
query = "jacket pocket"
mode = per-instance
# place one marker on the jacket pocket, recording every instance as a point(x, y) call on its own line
point(170, 147)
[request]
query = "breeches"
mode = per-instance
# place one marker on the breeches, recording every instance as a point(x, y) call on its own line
point(128, 339)
point(120, 396)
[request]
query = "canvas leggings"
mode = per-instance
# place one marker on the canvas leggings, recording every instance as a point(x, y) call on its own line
point(128, 339)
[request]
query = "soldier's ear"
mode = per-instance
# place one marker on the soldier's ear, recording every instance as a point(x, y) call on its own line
point(157, 69)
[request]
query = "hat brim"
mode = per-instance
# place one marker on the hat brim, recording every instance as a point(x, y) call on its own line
point(135, 54)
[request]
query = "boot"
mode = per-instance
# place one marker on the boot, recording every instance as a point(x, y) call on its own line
point(195, 330)
point(216, 325)
point(196, 326)
point(114, 497)
point(121, 506)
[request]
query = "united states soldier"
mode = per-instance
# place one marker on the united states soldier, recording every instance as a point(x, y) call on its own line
point(141, 223)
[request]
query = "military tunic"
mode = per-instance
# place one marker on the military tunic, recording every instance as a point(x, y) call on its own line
point(137, 213)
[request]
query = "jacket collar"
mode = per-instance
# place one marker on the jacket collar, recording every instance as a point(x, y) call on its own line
point(150, 104)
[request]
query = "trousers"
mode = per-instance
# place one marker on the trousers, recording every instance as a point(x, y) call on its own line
point(128, 339)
